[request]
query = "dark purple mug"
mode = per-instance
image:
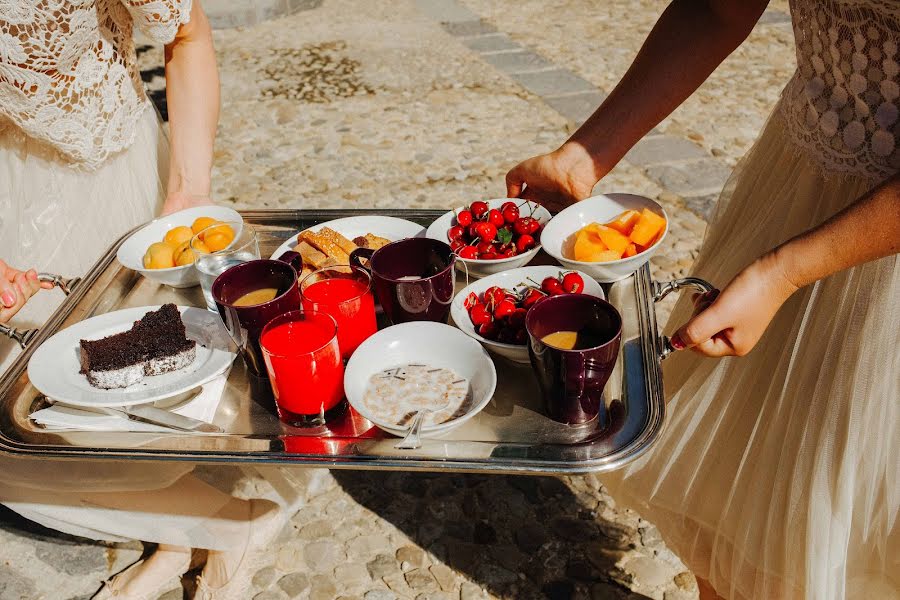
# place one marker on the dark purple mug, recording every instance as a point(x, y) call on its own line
point(245, 323)
point(413, 278)
point(572, 381)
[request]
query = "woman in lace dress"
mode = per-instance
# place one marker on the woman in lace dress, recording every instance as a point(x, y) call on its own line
point(776, 475)
point(83, 159)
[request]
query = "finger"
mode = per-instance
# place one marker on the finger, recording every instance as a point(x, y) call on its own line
point(8, 293)
point(514, 183)
point(715, 347)
point(23, 286)
point(34, 283)
point(700, 328)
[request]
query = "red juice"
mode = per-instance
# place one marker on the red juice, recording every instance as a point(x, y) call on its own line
point(304, 364)
point(351, 303)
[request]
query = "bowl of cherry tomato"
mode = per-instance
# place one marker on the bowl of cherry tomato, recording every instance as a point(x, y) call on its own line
point(490, 236)
point(492, 310)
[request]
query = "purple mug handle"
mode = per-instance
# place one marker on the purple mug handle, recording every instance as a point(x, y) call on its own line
point(364, 253)
point(292, 258)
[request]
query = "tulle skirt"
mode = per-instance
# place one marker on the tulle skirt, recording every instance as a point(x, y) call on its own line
point(777, 474)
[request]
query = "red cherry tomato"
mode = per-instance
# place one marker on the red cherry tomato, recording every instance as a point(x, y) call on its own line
point(478, 208)
point(504, 309)
point(525, 243)
point(464, 218)
point(552, 286)
point(573, 283)
point(455, 232)
point(486, 231)
point(479, 315)
point(468, 252)
point(495, 218)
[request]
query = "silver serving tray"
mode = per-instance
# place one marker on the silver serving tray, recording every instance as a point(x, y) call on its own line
point(511, 435)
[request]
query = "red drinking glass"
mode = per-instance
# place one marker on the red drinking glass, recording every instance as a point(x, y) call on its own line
point(300, 349)
point(345, 293)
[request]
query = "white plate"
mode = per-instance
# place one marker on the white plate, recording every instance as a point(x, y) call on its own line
point(423, 342)
point(390, 228)
point(482, 268)
point(508, 280)
point(54, 367)
point(131, 252)
point(557, 236)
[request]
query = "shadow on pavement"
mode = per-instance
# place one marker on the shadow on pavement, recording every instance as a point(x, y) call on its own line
point(517, 537)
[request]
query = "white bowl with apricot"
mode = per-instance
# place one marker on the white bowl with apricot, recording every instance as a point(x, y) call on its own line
point(609, 237)
point(161, 250)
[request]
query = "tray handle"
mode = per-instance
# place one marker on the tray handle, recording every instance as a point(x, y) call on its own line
point(66, 284)
point(661, 289)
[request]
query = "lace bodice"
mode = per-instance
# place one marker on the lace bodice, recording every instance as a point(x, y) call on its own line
point(842, 104)
point(68, 70)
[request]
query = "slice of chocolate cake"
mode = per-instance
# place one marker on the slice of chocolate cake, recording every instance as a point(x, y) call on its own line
point(154, 345)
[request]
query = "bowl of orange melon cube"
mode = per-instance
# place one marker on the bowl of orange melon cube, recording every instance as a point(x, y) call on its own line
point(609, 237)
point(161, 249)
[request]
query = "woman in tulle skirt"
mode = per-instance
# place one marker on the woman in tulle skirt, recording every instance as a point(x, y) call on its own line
point(776, 474)
point(84, 159)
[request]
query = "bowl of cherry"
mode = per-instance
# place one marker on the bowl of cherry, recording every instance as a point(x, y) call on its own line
point(490, 236)
point(492, 310)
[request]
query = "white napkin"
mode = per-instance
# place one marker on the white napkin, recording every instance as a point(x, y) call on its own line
point(60, 417)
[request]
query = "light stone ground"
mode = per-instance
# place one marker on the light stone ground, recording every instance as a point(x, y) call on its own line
point(377, 104)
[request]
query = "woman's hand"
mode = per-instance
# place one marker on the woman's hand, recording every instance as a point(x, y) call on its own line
point(554, 180)
point(176, 201)
point(16, 287)
point(731, 322)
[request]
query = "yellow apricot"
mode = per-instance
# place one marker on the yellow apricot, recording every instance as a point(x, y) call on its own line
point(201, 223)
point(184, 255)
point(217, 237)
point(179, 235)
point(197, 245)
point(159, 256)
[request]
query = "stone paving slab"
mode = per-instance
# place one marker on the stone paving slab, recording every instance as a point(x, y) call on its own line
point(492, 42)
point(519, 61)
point(555, 82)
point(576, 107)
point(661, 149)
point(691, 177)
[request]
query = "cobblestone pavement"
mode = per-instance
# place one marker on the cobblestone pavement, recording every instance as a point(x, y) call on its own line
point(427, 103)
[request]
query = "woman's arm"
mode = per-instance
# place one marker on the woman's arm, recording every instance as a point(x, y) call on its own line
point(192, 95)
point(690, 39)
point(867, 230)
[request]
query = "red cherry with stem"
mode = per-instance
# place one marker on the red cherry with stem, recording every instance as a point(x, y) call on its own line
point(504, 309)
point(478, 208)
point(486, 231)
point(484, 246)
point(488, 331)
point(495, 218)
point(572, 283)
point(464, 218)
point(552, 286)
point(525, 243)
point(494, 295)
point(507, 335)
point(471, 300)
point(470, 230)
point(530, 225)
point(521, 337)
point(509, 252)
point(468, 252)
point(517, 318)
point(455, 232)
point(507, 205)
point(510, 213)
point(457, 245)
point(480, 315)
point(520, 226)
point(488, 256)
point(532, 296)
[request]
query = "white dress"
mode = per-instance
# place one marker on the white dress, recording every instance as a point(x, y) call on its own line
point(83, 159)
point(777, 474)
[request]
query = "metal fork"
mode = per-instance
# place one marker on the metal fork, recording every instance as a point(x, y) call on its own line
point(23, 337)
